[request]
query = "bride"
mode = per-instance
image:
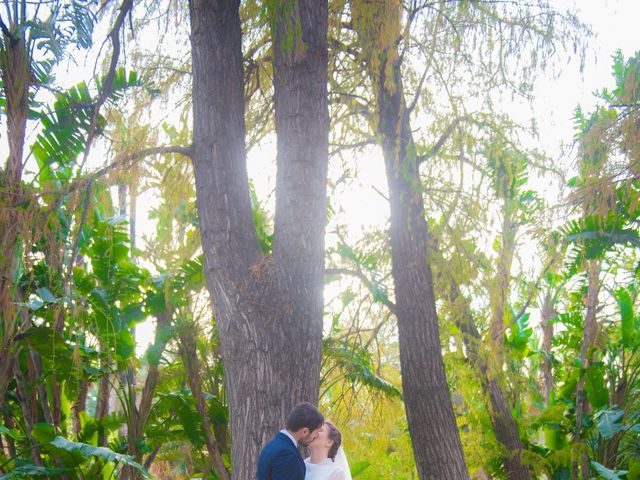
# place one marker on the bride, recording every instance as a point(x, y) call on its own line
point(327, 460)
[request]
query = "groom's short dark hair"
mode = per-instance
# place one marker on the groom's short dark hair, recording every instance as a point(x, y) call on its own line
point(304, 415)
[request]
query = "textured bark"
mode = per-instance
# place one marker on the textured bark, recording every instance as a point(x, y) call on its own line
point(432, 424)
point(11, 446)
point(14, 66)
point(268, 309)
point(27, 413)
point(588, 341)
point(80, 404)
point(506, 430)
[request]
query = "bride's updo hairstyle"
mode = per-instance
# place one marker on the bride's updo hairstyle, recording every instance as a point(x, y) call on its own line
point(334, 434)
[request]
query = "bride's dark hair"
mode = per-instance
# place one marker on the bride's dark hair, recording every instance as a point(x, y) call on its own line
point(336, 437)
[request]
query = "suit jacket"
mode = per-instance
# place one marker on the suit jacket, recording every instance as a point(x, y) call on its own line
point(280, 460)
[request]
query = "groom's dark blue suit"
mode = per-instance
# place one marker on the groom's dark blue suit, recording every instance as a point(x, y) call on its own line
point(280, 460)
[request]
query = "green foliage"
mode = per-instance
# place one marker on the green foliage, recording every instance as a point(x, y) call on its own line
point(29, 470)
point(607, 473)
point(356, 366)
point(82, 292)
point(80, 452)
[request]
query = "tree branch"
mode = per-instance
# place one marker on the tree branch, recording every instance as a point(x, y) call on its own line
point(364, 279)
point(6, 31)
point(441, 141)
point(414, 102)
point(107, 86)
point(349, 146)
point(130, 158)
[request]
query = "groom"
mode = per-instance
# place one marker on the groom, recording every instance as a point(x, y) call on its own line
point(280, 458)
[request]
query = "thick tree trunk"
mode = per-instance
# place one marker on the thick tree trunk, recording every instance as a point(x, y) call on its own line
point(432, 424)
point(14, 66)
point(268, 309)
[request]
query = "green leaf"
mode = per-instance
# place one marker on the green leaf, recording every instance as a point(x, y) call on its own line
point(562, 473)
point(55, 352)
point(356, 365)
point(126, 345)
point(553, 438)
point(610, 422)
point(101, 452)
point(46, 295)
point(634, 470)
point(132, 315)
point(606, 473)
point(43, 432)
point(30, 470)
point(182, 404)
point(9, 432)
point(625, 303)
point(359, 467)
point(595, 387)
point(519, 334)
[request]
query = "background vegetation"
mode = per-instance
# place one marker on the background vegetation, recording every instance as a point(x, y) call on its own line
point(536, 295)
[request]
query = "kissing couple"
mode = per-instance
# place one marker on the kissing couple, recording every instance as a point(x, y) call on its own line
point(280, 459)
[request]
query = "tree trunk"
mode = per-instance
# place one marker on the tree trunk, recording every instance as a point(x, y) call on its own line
point(588, 341)
point(547, 336)
point(138, 414)
point(80, 404)
point(14, 66)
point(268, 308)
point(502, 421)
point(432, 424)
point(102, 404)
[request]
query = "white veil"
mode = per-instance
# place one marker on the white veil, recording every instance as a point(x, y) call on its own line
point(342, 462)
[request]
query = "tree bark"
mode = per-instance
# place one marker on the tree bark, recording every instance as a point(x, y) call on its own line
point(547, 336)
point(138, 414)
point(268, 307)
point(80, 404)
point(588, 341)
point(102, 404)
point(15, 70)
point(432, 424)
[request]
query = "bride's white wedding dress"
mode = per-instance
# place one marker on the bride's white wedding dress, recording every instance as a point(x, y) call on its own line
point(329, 470)
point(326, 470)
